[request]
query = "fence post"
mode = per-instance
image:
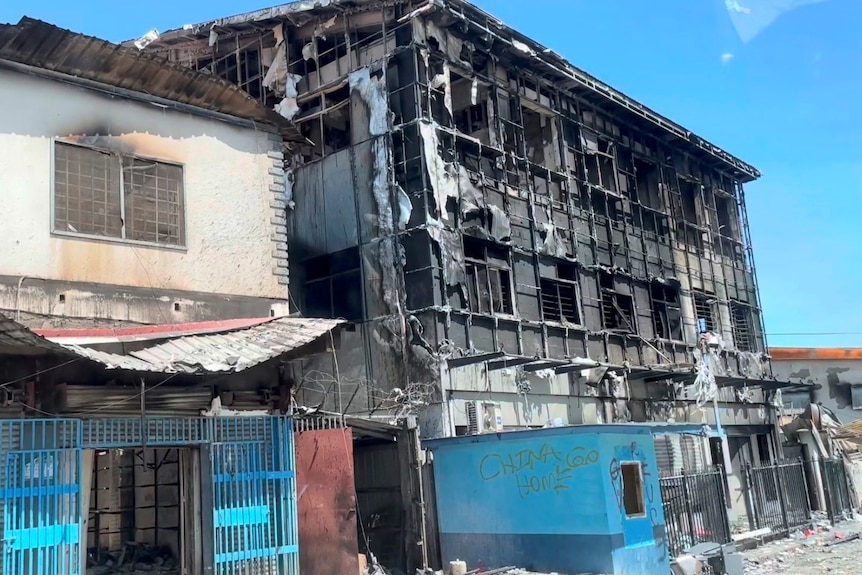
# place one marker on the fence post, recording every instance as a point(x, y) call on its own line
point(722, 497)
point(827, 489)
point(689, 515)
point(805, 485)
point(780, 485)
point(748, 486)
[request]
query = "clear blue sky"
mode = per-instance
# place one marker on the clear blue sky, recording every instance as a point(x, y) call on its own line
point(775, 82)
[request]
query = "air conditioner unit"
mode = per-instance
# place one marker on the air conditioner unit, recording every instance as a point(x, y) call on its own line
point(484, 417)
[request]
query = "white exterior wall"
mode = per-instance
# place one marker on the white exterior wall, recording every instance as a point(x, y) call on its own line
point(233, 194)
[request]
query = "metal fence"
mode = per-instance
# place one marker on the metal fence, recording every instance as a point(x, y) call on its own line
point(836, 487)
point(695, 509)
point(777, 496)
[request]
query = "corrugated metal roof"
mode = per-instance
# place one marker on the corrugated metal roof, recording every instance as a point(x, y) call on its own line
point(41, 45)
point(815, 353)
point(14, 335)
point(223, 352)
point(217, 353)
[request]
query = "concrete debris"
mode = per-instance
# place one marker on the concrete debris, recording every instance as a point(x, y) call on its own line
point(821, 549)
point(372, 90)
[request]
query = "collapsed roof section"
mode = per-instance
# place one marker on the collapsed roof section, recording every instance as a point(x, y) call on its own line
point(463, 19)
point(40, 48)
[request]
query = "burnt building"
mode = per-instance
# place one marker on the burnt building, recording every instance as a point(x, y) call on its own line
point(515, 243)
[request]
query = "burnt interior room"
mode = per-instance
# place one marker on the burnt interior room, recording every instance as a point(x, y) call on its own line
point(135, 521)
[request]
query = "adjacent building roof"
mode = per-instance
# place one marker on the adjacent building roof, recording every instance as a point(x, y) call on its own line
point(544, 60)
point(40, 46)
point(226, 352)
point(815, 353)
point(233, 347)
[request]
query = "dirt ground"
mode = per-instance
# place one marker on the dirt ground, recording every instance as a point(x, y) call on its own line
point(834, 550)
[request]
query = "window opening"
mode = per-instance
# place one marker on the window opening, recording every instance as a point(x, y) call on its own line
point(489, 280)
point(617, 307)
point(633, 489)
point(740, 317)
point(667, 313)
point(704, 310)
point(112, 195)
point(333, 286)
point(560, 300)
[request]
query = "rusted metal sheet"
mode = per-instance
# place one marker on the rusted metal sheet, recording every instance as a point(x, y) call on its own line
point(326, 502)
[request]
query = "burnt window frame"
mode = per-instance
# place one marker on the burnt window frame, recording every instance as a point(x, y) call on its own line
point(742, 341)
point(605, 151)
point(125, 229)
point(567, 278)
point(705, 301)
point(611, 305)
point(666, 302)
point(476, 258)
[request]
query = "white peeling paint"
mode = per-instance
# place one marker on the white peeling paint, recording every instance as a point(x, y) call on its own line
point(442, 183)
point(288, 107)
point(552, 245)
point(372, 90)
point(379, 186)
point(405, 208)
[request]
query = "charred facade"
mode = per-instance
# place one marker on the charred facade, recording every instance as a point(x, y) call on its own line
point(497, 224)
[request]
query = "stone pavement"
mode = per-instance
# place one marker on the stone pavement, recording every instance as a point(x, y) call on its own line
point(837, 551)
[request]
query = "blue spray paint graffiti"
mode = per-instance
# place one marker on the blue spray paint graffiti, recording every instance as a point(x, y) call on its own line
point(537, 471)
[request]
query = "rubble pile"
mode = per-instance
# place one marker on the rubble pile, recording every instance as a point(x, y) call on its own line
point(135, 559)
point(820, 549)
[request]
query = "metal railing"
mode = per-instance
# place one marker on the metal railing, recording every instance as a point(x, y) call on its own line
point(839, 505)
point(777, 496)
point(695, 509)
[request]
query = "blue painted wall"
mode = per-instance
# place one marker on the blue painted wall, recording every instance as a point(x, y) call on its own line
point(549, 500)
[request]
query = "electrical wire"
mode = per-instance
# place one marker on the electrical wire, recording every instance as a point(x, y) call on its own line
point(109, 405)
point(37, 373)
point(814, 334)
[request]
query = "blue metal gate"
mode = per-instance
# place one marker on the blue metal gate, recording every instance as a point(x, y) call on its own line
point(254, 517)
point(40, 473)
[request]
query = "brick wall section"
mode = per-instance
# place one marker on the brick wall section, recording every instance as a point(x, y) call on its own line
point(278, 205)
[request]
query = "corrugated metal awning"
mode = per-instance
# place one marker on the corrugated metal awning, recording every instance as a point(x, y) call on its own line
point(227, 351)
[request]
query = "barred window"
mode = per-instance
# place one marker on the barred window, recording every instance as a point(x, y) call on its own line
point(112, 195)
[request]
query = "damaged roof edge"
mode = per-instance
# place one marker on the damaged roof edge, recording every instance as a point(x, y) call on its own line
point(44, 50)
point(462, 8)
point(561, 65)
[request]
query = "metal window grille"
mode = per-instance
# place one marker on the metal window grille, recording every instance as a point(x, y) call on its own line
point(740, 318)
point(560, 301)
point(704, 310)
point(106, 194)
